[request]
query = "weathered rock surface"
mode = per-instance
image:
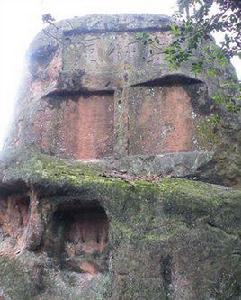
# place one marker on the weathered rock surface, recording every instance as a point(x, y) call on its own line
point(175, 239)
point(86, 208)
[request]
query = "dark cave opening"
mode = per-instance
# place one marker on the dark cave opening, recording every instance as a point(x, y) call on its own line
point(77, 237)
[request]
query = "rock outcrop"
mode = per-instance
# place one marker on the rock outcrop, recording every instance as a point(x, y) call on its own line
point(114, 182)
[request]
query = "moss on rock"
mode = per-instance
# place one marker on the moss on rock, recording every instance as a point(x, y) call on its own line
point(174, 233)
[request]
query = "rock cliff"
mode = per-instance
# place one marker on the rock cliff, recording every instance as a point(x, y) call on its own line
point(114, 182)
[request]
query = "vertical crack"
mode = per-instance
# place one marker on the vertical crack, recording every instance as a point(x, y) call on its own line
point(166, 272)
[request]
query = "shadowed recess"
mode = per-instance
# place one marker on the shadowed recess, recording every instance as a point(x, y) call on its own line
point(170, 80)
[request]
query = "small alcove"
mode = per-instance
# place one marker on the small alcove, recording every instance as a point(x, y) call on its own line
point(78, 237)
point(81, 122)
point(14, 215)
point(164, 115)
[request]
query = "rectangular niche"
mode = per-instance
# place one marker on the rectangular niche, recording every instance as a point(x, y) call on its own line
point(14, 217)
point(160, 120)
point(77, 237)
point(88, 126)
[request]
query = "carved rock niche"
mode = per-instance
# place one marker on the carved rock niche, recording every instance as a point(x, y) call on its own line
point(14, 218)
point(77, 237)
point(81, 126)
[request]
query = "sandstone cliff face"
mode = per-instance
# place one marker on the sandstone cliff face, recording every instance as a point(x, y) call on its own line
point(86, 208)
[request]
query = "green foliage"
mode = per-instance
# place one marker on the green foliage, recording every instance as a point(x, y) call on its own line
point(144, 37)
point(214, 119)
point(197, 68)
point(206, 134)
point(229, 94)
point(175, 30)
point(192, 42)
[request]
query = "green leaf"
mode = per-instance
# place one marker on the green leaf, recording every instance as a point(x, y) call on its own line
point(175, 30)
